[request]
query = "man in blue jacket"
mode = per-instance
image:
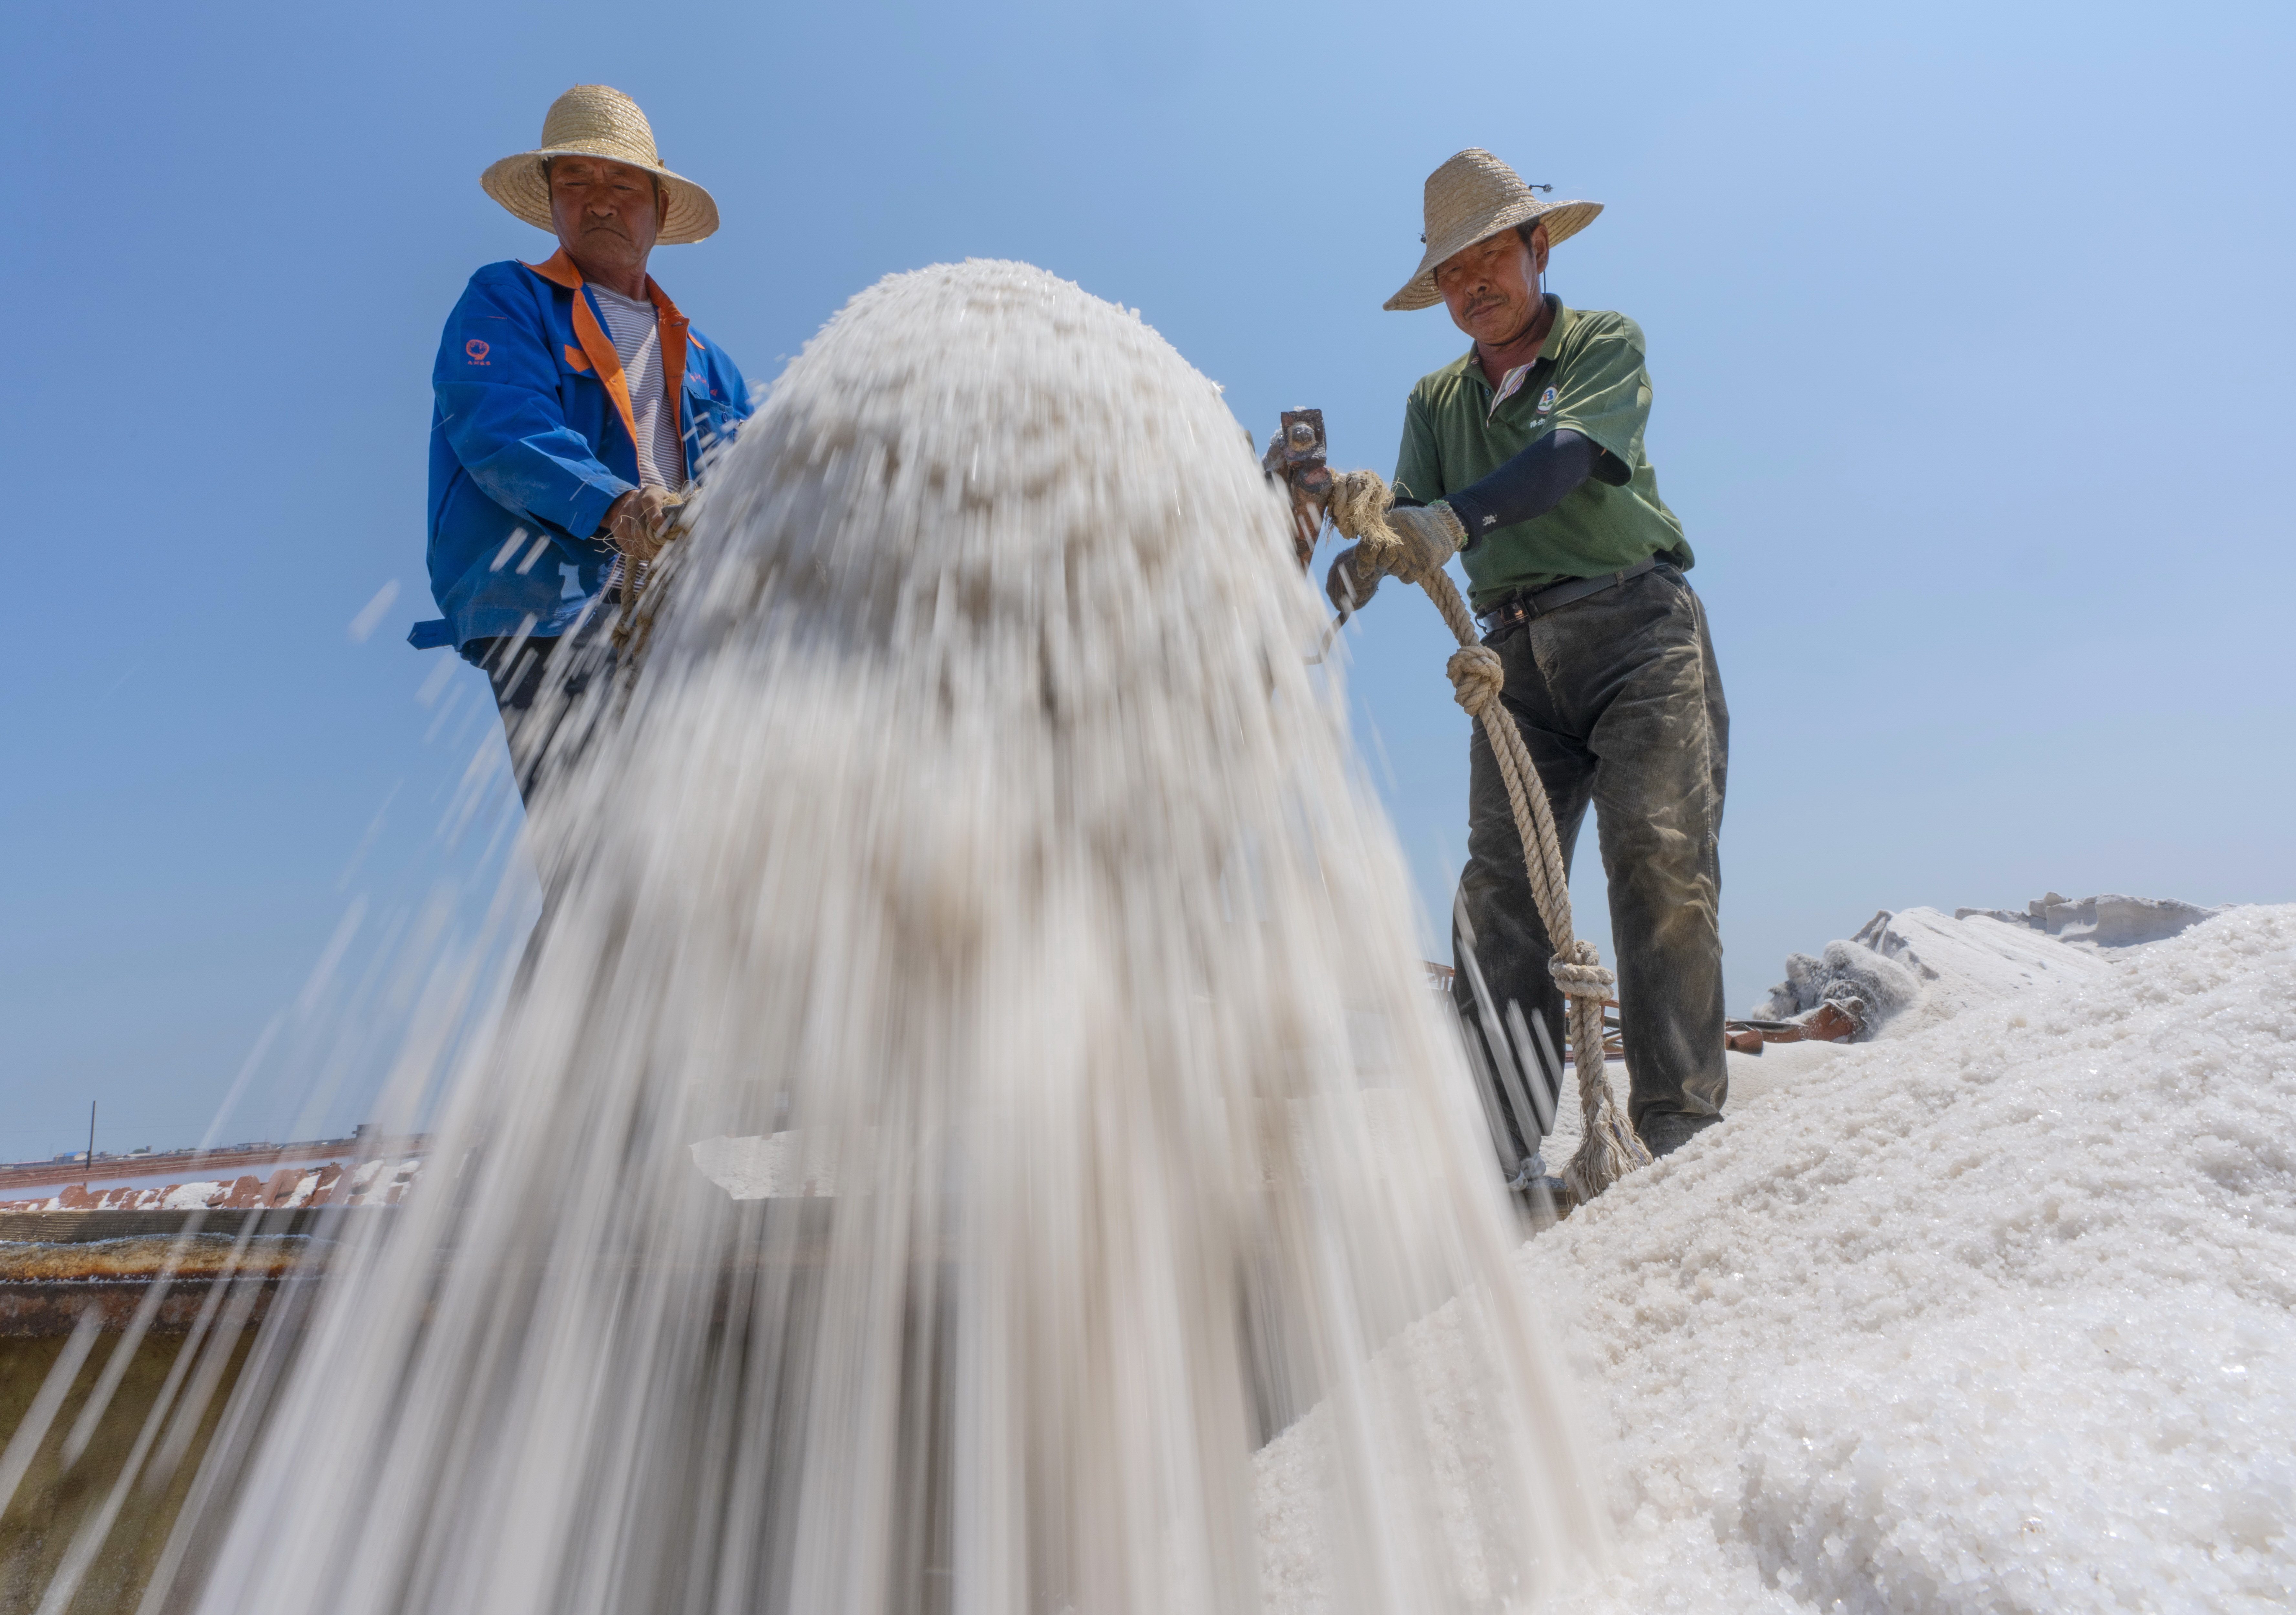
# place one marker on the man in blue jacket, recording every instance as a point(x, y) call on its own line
point(575, 405)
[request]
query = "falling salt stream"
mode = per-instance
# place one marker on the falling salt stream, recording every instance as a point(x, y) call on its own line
point(974, 820)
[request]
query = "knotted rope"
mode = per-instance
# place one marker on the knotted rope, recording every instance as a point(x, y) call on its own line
point(640, 578)
point(1608, 1148)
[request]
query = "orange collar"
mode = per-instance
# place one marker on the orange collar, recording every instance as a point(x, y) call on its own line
point(598, 347)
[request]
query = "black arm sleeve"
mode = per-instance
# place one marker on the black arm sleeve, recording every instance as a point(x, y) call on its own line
point(1532, 484)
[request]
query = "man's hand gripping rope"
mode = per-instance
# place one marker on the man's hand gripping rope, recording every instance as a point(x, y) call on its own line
point(641, 524)
point(1413, 543)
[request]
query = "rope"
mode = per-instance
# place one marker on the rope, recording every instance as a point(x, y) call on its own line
point(1608, 1148)
point(635, 575)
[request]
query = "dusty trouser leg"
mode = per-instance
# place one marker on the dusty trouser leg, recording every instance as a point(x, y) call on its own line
point(1499, 946)
point(537, 684)
point(1661, 738)
point(520, 673)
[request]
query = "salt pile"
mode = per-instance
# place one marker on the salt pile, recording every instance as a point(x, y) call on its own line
point(1994, 1315)
point(976, 835)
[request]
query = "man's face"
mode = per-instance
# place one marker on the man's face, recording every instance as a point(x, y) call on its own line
point(1492, 287)
point(605, 211)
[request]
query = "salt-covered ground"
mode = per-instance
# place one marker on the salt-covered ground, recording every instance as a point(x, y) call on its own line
point(1991, 1314)
point(380, 1182)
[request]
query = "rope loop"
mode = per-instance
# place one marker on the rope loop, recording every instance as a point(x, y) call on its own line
point(1582, 976)
point(1477, 676)
point(1360, 501)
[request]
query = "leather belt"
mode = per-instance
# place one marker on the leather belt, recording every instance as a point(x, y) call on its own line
point(1522, 608)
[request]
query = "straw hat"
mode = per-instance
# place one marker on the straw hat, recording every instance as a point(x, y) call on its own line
point(591, 120)
point(1473, 197)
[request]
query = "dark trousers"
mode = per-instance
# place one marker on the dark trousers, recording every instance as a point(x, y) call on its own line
point(1618, 699)
point(538, 685)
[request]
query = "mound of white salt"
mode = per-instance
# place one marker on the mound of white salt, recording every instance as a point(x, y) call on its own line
point(1911, 967)
point(974, 842)
point(1995, 1316)
point(1972, 960)
point(1925, 1332)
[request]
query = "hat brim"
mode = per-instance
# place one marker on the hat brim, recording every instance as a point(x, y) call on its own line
point(1562, 220)
point(517, 183)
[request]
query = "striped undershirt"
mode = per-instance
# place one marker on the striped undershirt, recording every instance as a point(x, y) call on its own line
point(636, 329)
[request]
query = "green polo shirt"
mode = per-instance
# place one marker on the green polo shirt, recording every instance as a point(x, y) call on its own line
point(1589, 377)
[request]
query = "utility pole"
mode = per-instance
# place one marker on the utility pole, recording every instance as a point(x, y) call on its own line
point(89, 1175)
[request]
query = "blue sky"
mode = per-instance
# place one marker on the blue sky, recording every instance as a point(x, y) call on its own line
point(1969, 328)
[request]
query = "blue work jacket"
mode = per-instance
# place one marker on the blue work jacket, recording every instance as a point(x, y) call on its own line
point(532, 438)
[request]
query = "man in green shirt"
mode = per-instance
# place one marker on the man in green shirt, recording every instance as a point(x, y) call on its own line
point(1525, 455)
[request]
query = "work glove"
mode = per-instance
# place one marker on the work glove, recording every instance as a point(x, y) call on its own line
point(1431, 534)
point(1353, 581)
point(638, 523)
point(1427, 536)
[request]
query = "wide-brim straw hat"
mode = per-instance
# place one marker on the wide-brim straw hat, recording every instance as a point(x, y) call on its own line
point(1471, 198)
point(591, 120)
